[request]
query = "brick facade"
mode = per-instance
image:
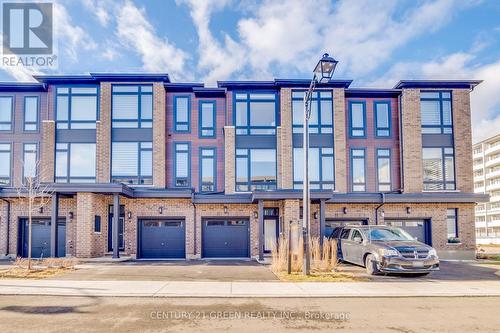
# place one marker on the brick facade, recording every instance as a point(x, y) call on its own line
point(229, 159)
point(463, 140)
point(159, 135)
point(48, 151)
point(285, 143)
point(103, 135)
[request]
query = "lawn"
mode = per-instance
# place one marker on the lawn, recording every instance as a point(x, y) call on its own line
point(15, 272)
point(319, 277)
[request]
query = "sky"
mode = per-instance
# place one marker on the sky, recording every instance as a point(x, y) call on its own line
point(377, 43)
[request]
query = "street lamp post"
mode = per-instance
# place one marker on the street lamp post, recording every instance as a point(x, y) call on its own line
point(322, 73)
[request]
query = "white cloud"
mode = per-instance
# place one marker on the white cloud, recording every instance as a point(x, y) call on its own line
point(158, 54)
point(102, 10)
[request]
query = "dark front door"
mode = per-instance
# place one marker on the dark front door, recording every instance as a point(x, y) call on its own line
point(121, 228)
point(225, 238)
point(162, 239)
point(40, 238)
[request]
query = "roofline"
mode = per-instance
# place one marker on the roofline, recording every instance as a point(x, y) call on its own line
point(98, 77)
point(182, 86)
point(278, 83)
point(22, 86)
point(491, 138)
point(368, 92)
point(449, 84)
point(247, 84)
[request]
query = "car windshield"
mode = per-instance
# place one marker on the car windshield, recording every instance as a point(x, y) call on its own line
point(389, 234)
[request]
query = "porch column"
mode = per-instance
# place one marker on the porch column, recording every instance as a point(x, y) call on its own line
point(321, 220)
point(261, 229)
point(116, 221)
point(53, 224)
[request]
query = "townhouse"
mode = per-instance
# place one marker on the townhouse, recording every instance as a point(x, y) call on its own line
point(141, 166)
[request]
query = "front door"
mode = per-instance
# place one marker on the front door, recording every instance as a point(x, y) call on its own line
point(121, 228)
point(270, 234)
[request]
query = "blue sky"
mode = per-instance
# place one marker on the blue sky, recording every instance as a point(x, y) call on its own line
point(376, 42)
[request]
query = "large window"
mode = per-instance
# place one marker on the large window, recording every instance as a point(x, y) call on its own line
point(321, 120)
point(255, 113)
point(6, 112)
point(435, 110)
point(452, 225)
point(207, 119)
point(382, 111)
point(6, 158)
point(31, 104)
point(132, 106)
point(182, 113)
point(438, 168)
point(75, 162)
point(357, 119)
point(132, 162)
point(29, 160)
point(255, 169)
point(321, 168)
point(358, 170)
point(384, 170)
point(182, 165)
point(207, 170)
point(76, 107)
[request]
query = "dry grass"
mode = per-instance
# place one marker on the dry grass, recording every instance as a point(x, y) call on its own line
point(40, 269)
point(319, 277)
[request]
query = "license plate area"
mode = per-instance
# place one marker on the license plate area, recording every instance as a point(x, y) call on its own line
point(418, 264)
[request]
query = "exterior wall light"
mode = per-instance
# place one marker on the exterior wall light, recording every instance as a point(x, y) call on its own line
point(71, 215)
point(160, 210)
point(40, 210)
point(408, 210)
point(315, 215)
point(225, 209)
point(344, 210)
point(129, 214)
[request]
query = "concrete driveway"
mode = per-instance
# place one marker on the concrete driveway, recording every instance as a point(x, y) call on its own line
point(193, 270)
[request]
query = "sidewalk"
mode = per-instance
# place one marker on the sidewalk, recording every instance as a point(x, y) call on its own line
point(248, 289)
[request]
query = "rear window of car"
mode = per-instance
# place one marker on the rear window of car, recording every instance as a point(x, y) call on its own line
point(345, 234)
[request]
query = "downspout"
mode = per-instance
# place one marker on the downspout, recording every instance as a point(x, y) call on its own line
point(8, 225)
point(194, 224)
point(382, 194)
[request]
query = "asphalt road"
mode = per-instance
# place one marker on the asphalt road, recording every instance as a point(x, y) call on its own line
point(95, 314)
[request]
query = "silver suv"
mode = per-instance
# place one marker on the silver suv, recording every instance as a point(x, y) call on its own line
point(384, 249)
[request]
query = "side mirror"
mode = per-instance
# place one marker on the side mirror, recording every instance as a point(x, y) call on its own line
point(357, 240)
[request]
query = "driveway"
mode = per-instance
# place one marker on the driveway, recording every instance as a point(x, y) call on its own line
point(192, 270)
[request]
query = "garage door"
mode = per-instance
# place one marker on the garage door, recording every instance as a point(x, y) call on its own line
point(162, 239)
point(416, 228)
point(40, 238)
point(331, 224)
point(226, 238)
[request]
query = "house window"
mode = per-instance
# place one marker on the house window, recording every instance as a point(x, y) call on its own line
point(182, 113)
point(358, 170)
point(31, 113)
point(255, 113)
point(182, 165)
point(132, 106)
point(29, 160)
point(382, 119)
point(5, 166)
point(438, 169)
point(207, 170)
point(255, 169)
point(384, 170)
point(452, 225)
point(76, 107)
point(75, 162)
point(321, 168)
point(207, 119)
point(357, 119)
point(97, 223)
point(132, 162)
point(6, 111)
point(321, 120)
point(435, 110)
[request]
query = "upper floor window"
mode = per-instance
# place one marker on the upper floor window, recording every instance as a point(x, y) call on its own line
point(182, 113)
point(357, 119)
point(255, 169)
point(5, 166)
point(435, 110)
point(255, 113)
point(382, 111)
point(207, 169)
point(132, 106)
point(358, 169)
point(76, 107)
point(132, 162)
point(75, 162)
point(6, 112)
point(384, 169)
point(321, 166)
point(182, 165)
point(207, 118)
point(29, 160)
point(438, 168)
point(31, 104)
point(321, 120)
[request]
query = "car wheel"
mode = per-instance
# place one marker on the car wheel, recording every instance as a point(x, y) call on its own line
point(371, 265)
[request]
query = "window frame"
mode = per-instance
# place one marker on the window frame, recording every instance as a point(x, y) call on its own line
point(37, 122)
point(11, 122)
point(175, 122)
point(68, 177)
point(321, 182)
point(440, 99)
point(37, 156)
point(201, 158)
point(455, 217)
point(97, 222)
point(443, 182)
point(389, 119)
point(377, 161)
point(9, 182)
point(248, 128)
point(201, 128)
point(70, 94)
point(139, 94)
point(175, 151)
point(249, 183)
point(351, 128)
point(351, 171)
point(139, 177)
point(318, 100)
